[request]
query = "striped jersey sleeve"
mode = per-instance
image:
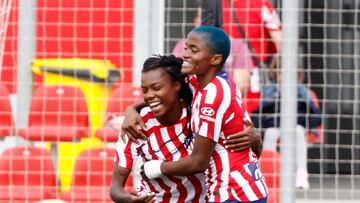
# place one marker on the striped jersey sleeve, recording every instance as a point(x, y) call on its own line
point(209, 107)
point(126, 153)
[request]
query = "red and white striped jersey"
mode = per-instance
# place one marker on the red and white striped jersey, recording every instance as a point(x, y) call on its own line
point(217, 112)
point(166, 143)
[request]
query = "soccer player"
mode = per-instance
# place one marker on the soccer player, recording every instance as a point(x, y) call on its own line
point(217, 118)
point(217, 112)
point(167, 116)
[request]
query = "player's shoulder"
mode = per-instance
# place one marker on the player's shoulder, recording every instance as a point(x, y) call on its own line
point(149, 118)
point(218, 84)
point(146, 114)
point(222, 81)
point(218, 89)
point(145, 111)
point(193, 79)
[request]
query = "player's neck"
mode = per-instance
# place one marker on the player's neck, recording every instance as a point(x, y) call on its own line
point(206, 78)
point(172, 116)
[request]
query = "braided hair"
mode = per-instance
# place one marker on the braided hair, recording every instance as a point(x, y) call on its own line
point(172, 65)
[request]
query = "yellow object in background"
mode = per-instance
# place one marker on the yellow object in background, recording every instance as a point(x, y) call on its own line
point(95, 78)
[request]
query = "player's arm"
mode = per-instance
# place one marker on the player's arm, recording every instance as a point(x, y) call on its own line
point(276, 37)
point(117, 190)
point(118, 180)
point(242, 64)
point(242, 79)
point(272, 23)
point(132, 125)
point(197, 161)
point(257, 144)
point(249, 137)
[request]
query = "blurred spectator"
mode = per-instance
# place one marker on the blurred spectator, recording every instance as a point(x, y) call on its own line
point(257, 22)
point(211, 13)
point(269, 119)
point(239, 63)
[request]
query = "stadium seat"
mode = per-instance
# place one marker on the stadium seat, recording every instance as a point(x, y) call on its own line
point(270, 167)
point(121, 98)
point(27, 174)
point(92, 176)
point(57, 113)
point(6, 121)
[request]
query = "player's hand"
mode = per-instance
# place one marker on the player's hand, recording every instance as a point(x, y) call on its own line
point(244, 139)
point(142, 197)
point(132, 126)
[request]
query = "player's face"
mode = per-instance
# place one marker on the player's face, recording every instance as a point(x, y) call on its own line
point(197, 55)
point(161, 93)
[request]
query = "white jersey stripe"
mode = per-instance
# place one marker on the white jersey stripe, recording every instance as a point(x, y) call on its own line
point(122, 162)
point(122, 156)
point(155, 146)
point(250, 193)
point(240, 180)
point(173, 189)
point(195, 113)
point(247, 116)
point(265, 185)
point(151, 123)
point(225, 173)
point(203, 129)
point(166, 139)
point(230, 118)
point(212, 182)
point(145, 111)
point(146, 152)
point(246, 187)
point(261, 187)
point(225, 103)
point(233, 192)
point(190, 190)
point(246, 167)
point(210, 98)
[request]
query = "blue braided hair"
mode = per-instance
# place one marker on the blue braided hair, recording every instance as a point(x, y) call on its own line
point(217, 40)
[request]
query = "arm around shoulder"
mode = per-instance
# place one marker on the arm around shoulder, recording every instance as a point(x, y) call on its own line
point(132, 120)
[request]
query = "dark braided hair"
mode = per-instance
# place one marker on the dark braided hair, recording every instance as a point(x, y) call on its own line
point(172, 65)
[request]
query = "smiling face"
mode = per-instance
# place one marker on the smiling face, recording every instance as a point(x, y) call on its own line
point(206, 51)
point(197, 56)
point(161, 93)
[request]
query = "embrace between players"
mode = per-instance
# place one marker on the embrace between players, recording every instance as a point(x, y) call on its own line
point(198, 143)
